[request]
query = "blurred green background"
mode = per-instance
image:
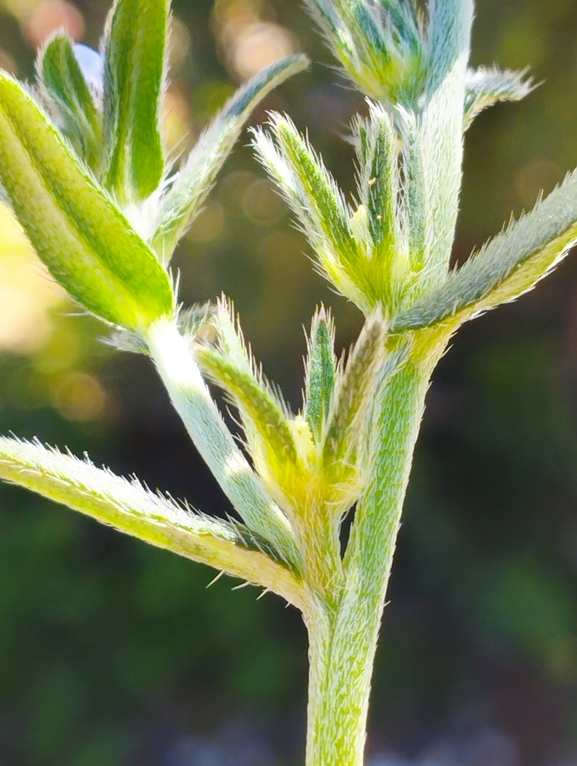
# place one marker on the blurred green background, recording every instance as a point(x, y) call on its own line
point(112, 653)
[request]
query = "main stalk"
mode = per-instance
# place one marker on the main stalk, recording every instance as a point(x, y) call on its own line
point(343, 641)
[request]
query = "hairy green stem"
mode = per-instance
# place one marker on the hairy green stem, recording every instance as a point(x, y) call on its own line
point(343, 643)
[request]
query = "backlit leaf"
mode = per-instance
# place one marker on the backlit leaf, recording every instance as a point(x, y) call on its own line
point(76, 230)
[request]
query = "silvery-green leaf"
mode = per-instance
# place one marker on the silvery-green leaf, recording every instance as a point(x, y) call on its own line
point(487, 86)
point(134, 71)
point(184, 199)
point(320, 208)
point(440, 127)
point(323, 198)
point(76, 230)
point(174, 358)
point(61, 76)
point(131, 508)
point(381, 46)
point(506, 267)
point(354, 388)
point(320, 372)
point(413, 209)
point(379, 184)
point(231, 341)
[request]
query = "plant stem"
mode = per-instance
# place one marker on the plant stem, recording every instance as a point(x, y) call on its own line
point(343, 643)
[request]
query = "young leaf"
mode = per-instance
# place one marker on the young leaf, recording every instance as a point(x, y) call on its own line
point(320, 207)
point(321, 194)
point(184, 199)
point(62, 77)
point(354, 389)
point(130, 508)
point(506, 267)
point(380, 46)
point(259, 408)
point(231, 342)
point(417, 216)
point(487, 86)
point(449, 41)
point(378, 188)
point(80, 235)
point(134, 57)
point(320, 372)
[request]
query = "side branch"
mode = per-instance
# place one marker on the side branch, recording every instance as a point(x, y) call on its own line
point(129, 507)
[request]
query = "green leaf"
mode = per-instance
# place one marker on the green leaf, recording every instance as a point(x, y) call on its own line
point(506, 267)
point(134, 72)
point(130, 508)
point(230, 338)
point(321, 195)
point(62, 78)
point(80, 235)
point(354, 390)
point(320, 372)
point(184, 199)
point(172, 354)
point(319, 205)
point(260, 409)
point(488, 86)
point(379, 182)
point(380, 46)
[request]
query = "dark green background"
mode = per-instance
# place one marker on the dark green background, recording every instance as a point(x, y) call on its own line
point(112, 653)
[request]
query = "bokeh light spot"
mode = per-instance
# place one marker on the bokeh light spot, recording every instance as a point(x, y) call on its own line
point(234, 187)
point(262, 205)
point(51, 16)
point(7, 63)
point(80, 397)
point(179, 46)
point(209, 226)
point(248, 41)
point(256, 46)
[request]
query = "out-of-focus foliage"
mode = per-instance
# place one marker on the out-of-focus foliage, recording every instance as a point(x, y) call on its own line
point(113, 653)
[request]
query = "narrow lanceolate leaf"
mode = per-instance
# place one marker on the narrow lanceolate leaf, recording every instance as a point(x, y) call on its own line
point(130, 508)
point(80, 235)
point(260, 410)
point(134, 60)
point(191, 398)
point(488, 86)
point(61, 76)
point(320, 208)
point(320, 373)
point(506, 267)
point(230, 338)
point(354, 389)
point(441, 127)
point(377, 149)
point(195, 179)
point(321, 194)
